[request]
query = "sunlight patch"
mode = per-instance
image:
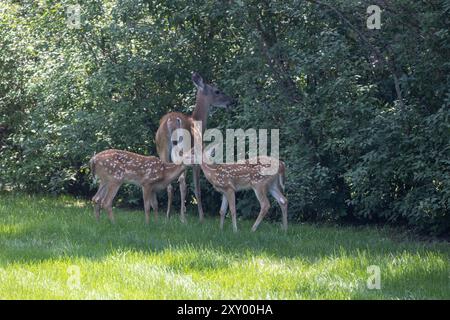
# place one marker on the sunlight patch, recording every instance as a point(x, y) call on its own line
point(10, 229)
point(160, 276)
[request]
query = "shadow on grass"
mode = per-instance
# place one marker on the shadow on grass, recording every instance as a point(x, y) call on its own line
point(73, 231)
point(37, 230)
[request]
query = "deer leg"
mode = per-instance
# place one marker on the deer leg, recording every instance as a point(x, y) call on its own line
point(108, 200)
point(223, 210)
point(261, 194)
point(97, 200)
point(97, 197)
point(154, 204)
point(198, 195)
point(283, 202)
point(101, 196)
point(231, 197)
point(169, 199)
point(97, 207)
point(183, 190)
point(146, 194)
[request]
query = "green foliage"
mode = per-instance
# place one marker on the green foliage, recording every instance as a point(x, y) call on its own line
point(363, 114)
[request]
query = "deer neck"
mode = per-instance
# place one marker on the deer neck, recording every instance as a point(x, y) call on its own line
point(174, 170)
point(201, 110)
point(208, 170)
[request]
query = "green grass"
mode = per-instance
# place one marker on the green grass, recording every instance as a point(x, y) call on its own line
point(45, 240)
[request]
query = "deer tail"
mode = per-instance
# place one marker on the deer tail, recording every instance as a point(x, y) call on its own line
point(171, 127)
point(92, 166)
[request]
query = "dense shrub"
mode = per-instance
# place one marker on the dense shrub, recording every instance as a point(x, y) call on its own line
point(363, 114)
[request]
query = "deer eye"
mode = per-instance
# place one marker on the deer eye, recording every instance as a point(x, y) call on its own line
point(217, 92)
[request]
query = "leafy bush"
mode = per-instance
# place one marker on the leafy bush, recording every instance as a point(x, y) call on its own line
point(363, 114)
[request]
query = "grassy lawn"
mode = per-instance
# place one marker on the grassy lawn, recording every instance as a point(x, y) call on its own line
point(45, 242)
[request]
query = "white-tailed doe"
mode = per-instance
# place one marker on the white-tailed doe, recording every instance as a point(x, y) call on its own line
point(115, 167)
point(207, 96)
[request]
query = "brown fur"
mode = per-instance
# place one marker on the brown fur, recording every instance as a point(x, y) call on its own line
point(207, 95)
point(115, 167)
point(229, 178)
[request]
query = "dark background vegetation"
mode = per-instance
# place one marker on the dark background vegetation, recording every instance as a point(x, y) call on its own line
point(363, 114)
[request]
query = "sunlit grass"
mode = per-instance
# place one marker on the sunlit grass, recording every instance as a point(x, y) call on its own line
point(44, 241)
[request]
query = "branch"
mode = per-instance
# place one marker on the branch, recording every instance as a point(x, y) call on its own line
point(268, 40)
point(390, 63)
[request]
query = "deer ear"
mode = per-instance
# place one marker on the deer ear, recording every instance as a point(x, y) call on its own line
point(198, 81)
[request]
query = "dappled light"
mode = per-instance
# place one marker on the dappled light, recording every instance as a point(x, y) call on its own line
point(168, 259)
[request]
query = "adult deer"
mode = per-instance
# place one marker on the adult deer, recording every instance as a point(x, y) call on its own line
point(252, 174)
point(207, 96)
point(115, 167)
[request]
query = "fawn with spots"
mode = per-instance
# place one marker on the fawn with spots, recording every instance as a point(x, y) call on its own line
point(115, 167)
point(256, 173)
point(229, 178)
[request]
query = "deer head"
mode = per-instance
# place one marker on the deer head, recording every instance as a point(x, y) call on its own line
point(210, 94)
